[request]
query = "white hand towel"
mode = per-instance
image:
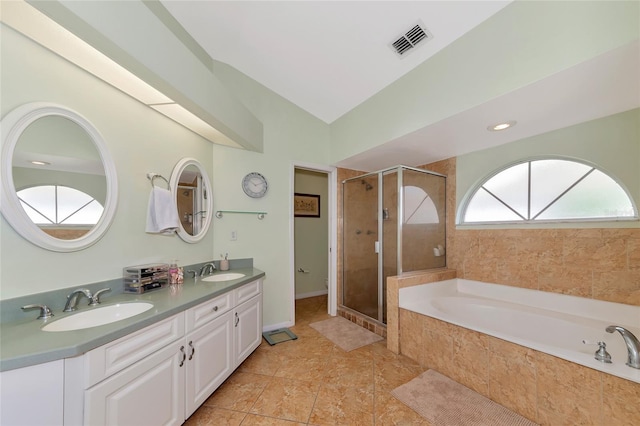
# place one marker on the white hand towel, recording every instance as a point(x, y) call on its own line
point(162, 216)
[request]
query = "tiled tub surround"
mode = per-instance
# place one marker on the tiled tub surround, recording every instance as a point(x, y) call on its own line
point(552, 323)
point(542, 387)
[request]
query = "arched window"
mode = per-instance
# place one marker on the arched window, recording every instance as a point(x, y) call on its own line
point(548, 190)
point(59, 205)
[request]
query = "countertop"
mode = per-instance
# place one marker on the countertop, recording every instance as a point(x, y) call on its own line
point(23, 343)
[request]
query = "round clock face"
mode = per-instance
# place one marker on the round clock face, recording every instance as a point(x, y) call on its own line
point(255, 185)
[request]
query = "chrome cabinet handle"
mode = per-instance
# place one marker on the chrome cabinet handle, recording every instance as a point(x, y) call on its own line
point(184, 355)
point(237, 320)
point(193, 350)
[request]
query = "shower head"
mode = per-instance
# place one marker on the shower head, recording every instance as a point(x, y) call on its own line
point(367, 185)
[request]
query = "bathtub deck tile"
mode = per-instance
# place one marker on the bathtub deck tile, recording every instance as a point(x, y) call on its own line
point(411, 343)
point(512, 380)
point(568, 391)
point(616, 394)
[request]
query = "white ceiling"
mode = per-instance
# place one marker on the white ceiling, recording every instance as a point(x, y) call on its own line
point(327, 57)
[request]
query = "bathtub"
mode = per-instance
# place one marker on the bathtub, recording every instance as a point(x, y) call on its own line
point(552, 323)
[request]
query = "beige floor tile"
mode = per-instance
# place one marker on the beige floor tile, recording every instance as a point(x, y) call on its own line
point(390, 411)
point(341, 405)
point(388, 375)
point(309, 369)
point(287, 399)
point(255, 420)
point(239, 392)
point(263, 361)
point(209, 416)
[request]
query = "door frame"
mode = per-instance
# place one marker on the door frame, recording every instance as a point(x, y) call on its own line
point(332, 178)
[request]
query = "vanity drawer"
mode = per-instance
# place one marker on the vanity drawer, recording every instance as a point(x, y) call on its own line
point(247, 291)
point(209, 310)
point(108, 359)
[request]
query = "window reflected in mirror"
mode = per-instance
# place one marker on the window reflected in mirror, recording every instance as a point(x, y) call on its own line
point(191, 198)
point(59, 177)
point(60, 211)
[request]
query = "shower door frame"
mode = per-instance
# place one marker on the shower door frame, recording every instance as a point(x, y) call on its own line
point(380, 243)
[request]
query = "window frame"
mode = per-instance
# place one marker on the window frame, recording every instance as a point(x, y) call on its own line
point(466, 200)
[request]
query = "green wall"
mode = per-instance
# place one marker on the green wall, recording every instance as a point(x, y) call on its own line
point(290, 135)
point(611, 143)
point(523, 43)
point(139, 139)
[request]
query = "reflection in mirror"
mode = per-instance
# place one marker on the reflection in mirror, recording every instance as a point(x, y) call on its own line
point(59, 186)
point(191, 188)
point(59, 177)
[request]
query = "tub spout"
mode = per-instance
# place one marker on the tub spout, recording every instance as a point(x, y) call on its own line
point(633, 345)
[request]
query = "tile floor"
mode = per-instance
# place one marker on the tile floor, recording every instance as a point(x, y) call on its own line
point(310, 381)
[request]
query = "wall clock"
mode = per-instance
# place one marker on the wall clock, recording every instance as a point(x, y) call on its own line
point(255, 185)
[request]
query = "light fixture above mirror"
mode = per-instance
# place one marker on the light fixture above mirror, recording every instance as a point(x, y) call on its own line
point(191, 189)
point(69, 203)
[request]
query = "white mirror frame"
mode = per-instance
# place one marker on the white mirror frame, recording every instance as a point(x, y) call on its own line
point(12, 126)
point(173, 183)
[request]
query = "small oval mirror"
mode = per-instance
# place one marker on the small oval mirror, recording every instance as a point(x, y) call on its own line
point(191, 189)
point(59, 184)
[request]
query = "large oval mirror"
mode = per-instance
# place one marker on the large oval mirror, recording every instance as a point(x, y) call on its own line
point(59, 186)
point(191, 189)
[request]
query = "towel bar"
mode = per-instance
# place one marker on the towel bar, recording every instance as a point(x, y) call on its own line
point(152, 176)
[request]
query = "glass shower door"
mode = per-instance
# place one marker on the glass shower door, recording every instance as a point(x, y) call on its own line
point(360, 237)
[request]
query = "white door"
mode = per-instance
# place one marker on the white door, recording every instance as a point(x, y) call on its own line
point(209, 360)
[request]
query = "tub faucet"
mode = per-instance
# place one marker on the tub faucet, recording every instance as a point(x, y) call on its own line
point(72, 299)
point(633, 345)
point(207, 267)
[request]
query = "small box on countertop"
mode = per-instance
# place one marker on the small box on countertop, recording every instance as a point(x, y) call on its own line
point(142, 278)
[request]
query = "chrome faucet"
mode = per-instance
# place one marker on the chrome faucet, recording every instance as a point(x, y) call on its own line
point(95, 299)
point(633, 345)
point(72, 299)
point(207, 267)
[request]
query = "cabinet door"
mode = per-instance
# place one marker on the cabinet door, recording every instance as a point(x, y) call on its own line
point(150, 392)
point(32, 395)
point(248, 327)
point(209, 360)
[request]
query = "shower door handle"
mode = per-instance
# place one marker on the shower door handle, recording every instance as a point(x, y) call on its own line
point(376, 247)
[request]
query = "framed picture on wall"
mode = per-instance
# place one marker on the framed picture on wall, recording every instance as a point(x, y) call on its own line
point(306, 205)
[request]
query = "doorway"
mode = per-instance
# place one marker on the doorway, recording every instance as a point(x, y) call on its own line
point(313, 234)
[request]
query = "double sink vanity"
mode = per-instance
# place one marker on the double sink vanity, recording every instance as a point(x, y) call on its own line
point(156, 366)
point(126, 359)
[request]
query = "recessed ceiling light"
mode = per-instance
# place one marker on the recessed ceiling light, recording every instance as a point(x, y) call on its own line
point(40, 163)
point(501, 126)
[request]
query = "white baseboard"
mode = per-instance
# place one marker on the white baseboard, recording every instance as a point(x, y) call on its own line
point(311, 294)
point(277, 326)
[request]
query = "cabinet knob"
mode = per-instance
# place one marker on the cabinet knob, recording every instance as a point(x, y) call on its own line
point(215, 308)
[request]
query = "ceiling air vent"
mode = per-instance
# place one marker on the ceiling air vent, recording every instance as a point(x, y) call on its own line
point(408, 40)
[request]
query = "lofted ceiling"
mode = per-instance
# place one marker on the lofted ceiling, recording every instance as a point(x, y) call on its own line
point(327, 57)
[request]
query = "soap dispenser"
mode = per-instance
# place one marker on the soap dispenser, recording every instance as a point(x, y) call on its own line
point(175, 275)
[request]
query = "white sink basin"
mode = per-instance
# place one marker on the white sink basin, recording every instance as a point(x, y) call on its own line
point(223, 277)
point(98, 316)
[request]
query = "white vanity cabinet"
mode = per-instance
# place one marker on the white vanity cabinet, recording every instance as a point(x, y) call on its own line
point(32, 395)
point(160, 375)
